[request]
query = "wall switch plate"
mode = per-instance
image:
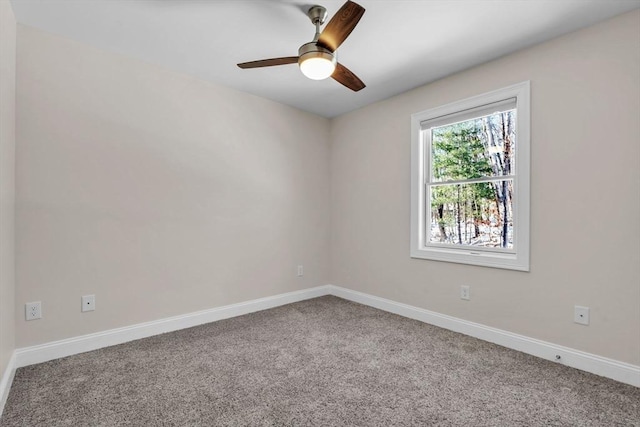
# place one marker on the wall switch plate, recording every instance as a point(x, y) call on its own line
point(33, 310)
point(581, 315)
point(300, 271)
point(88, 303)
point(465, 292)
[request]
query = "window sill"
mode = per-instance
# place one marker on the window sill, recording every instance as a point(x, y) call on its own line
point(509, 261)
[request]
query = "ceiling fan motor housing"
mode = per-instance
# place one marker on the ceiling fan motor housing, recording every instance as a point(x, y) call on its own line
point(312, 50)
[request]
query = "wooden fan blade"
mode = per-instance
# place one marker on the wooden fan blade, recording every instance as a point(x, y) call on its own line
point(341, 25)
point(269, 62)
point(345, 77)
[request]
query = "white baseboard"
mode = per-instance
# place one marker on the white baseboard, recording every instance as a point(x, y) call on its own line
point(6, 380)
point(619, 371)
point(68, 347)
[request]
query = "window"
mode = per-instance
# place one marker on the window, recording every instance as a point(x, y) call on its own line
point(470, 180)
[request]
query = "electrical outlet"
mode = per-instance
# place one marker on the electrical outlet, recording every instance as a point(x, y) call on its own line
point(33, 310)
point(300, 271)
point(581, 315)
point(88, 303)
point(465, 292)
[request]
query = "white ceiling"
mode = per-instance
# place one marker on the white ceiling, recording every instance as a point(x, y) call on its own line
point(398, 45)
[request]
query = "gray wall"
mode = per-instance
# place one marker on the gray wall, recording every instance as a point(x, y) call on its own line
point(7, 180)
point(585, 249)
point(157, 192)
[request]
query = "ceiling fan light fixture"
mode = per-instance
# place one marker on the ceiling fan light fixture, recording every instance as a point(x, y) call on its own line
point(317, 68)
point(316, 63)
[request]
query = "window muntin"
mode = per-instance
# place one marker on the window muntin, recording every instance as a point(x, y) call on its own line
point(470, 180)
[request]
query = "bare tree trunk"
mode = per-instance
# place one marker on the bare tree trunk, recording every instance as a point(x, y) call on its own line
point(476, 219)
point(505, 217)
point(495, 159)
point(458, 216)
point(443, 231)
point(464, 216)
point(499, 198)
point(506, 137)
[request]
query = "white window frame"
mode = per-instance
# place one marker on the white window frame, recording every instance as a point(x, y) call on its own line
point(516, 259)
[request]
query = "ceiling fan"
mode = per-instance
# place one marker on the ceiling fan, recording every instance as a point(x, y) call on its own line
point(317, 59)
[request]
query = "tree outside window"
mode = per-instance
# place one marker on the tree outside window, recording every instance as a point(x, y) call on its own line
point(471, 201)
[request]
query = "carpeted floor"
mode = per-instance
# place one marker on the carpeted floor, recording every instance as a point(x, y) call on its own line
point(321, 362)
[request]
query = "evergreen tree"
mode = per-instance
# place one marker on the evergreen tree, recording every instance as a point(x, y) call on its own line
point(458, 153)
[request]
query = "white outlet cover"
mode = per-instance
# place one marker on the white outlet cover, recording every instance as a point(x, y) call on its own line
point(465, 292)
point(33, 310)
point(581, 315)
point(88, 303)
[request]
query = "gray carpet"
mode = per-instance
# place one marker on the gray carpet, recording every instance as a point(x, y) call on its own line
point(321, 362)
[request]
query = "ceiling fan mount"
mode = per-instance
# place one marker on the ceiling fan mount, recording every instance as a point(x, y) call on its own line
point(317, 14)
point(318, 58)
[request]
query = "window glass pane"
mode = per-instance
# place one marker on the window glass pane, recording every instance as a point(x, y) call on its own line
point(476, 148)
point(478, 214)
